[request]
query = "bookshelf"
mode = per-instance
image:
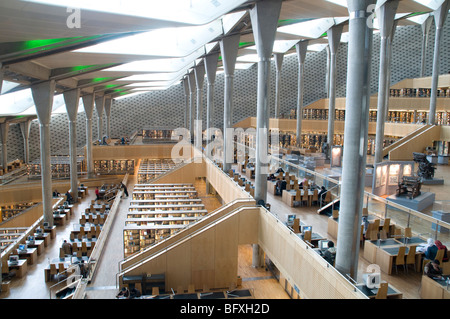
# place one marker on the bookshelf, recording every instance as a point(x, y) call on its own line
point(113, 167)
point(60, 167)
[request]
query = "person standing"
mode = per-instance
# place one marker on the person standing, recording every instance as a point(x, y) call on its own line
point(125, 190)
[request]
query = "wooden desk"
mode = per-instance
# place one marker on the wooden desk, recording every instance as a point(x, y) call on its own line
point(434, 289)
point(30, 255)
point(38, 244)
point(43, 236)
point(392, 293)
point(66, 261)
point(333, 226)
point(59, 219)
point(383, 252)
point(250, 173)
point(21, 268)
point(51, 231)
point(288, 196)
point(315, 238)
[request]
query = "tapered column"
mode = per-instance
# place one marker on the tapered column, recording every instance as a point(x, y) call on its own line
point(108, 102)
point(278, 64)
point(72, 100)
point(186, 102)
point(386, 15)
point(210, 62)
point(100, 106)
point(88, 103)
point(355, 132)
point(301, 55)
point(439, 18)
point(426, 26)
point(327, 73)
point(25, 129)
point(43, 99)
point(199, 72)
point(4, 129)
point(191, 81)
point(334, 38)
point(229, 48)
point(264, 18)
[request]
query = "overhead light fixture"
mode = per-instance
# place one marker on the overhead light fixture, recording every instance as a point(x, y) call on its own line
point(187, 12)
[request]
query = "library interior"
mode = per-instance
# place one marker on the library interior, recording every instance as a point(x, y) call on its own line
point(239, 149)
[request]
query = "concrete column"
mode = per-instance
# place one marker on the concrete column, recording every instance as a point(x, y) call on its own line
point(229, 48)
point(186, 101)
point(108, 103)
point(72, 100)
point(386, 15)
point(439, 18)
point(301, 55)
point(426, 26)
point(4, 129)
point(191, 81)
point(25, 129)
point(334, 38)
point(210, 62)
point(264, 18)
point(88, 103)
point(278, 64)
point(355, 132)
point(43, 99)
point(100, 106)
point(199, 72)
point(327, 73)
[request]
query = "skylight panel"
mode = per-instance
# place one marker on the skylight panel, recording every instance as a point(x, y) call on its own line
point(8, 86)
point(231, 19)
point(16, 102)
point(310, 29)
point(155, 76)
point(190, 12)
point(168, 42)
point(432, 4)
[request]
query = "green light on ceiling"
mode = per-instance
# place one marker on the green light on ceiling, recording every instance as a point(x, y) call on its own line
point(47, 44)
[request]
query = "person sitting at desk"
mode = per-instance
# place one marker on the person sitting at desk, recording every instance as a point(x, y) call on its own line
point(56, 193)
point(97, 193)
point(322, 192)
point(431, 251)
point(280, 185)
point(69, 198)
point(67, 248)
point(440, 246)
point(365, 223)
point(134, 293)
point(271, 177)
point(433, 270)
point(280, 170)
point(330, 254)
point(124, 293)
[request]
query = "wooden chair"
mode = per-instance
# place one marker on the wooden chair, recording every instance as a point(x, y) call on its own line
point(315, 197)
point(382, 291)
point(400, 258)
point(83, 219)
point(307, 236)
point(383, 234)
point(305, 185)
point(327, 198)
point(365, 211)
point(296, 187)
point(298, 195)
point(303, 200)
point(376, 225)
point(72, 236)
point(155, 291)
point(296, 226)
point(411, 257)
point(386, 225)
point(61, 268)
point(440, 255)
point(408, 232)
point(335, 213)
point(53, 270)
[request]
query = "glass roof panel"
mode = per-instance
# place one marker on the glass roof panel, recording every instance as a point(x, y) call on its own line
point(190, 12)
point(155, 76)
point(432, 4)
point(311, 29)
point(16, 102)
point(170, 42)
point(7, 86)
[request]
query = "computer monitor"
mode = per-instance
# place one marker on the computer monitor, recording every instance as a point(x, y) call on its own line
point(30, 239)
point(306, 228)
point(323, 244)
point(46, 224)
point(22, 247)
point(290, 219)
point(14, 259)
point(372, 280)
point(39, 230)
